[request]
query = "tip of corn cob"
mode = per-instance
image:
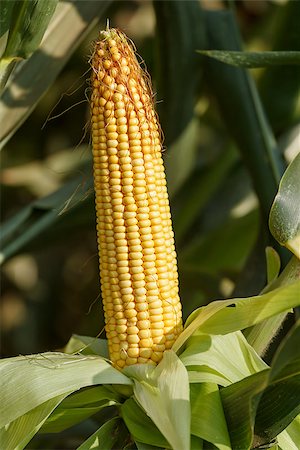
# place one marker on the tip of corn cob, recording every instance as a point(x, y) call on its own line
point(138, 267)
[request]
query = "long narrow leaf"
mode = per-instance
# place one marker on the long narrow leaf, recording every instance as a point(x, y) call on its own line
point(226, 316)
point(253, 59)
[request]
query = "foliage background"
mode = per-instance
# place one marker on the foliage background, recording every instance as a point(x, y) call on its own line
point(50, 286)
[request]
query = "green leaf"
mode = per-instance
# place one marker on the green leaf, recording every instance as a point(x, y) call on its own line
point(230, 356)
point(41, 214)
point(240, 401)
point(180, 30)
point(142, 446)
point(284, 218)
point(28, 21)
point(208, 420)
point(241, 109)
point(104, 438)
point(23, 25)
point(273, 264)
point(164, 395)
point(285, 354)
point(141, 426)
point(196, 443)
point(252, 60)
point(78, 407)
point(261, 335)
point(53, 374)
point(289, 439)
point(280, 85)
point(35, 75)
point(284, 391)
point(87, 345)
point(260, 406)
point(20, 431)
point(226, 316)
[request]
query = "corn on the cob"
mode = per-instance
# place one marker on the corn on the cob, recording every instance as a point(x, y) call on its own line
point(138, 267)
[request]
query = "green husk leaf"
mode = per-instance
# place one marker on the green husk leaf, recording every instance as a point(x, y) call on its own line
point(87, 345)
point(227, 316)
point(20, 431)
point(208, 420)
point(53, 374)
point(290, 437)
point(141, 426)
point(240, 401)
point(164, 395)
point(229, 356)
point(78, 407)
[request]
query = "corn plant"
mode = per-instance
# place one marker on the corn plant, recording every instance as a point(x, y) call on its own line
point(157, 381)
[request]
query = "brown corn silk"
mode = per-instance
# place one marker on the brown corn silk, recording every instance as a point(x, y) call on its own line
point(138, 267)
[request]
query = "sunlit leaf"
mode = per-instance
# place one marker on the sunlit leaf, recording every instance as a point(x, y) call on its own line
point(290, 437)
point(228, 355)
point(87, 345)
point(165, 399)
point(53, 374)
point(273, 264)
point(226, 316)
point(284, 219)
point(22, 27)
point(35, 75)
point(20, 431)
point(261, 335)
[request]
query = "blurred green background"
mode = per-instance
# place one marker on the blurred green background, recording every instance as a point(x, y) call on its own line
point(228, 136)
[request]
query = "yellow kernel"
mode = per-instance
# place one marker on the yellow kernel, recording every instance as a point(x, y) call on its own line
point(133, 352)
point(144, 334)
point(143, 324)
point(106, 63)
point(132, 330)
point(131, 361)
point(120, 363)
point(133, 339)
point(130, 313)
point(145, 352)
point(156, 356)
